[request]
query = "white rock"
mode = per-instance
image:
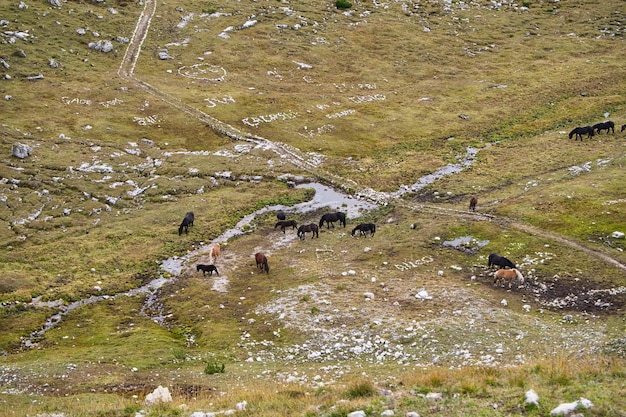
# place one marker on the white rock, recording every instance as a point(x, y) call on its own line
point(618, 235)
point(504, 303)
point(160, 394)
point(568, 408)
point(387, 413)
point(368, 295)
point(531, 397)
point(412, 414)
point(242, 405)
point(434, 396)
point(359, 413)
point(423, 295)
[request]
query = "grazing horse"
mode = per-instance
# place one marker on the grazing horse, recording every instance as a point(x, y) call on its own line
point(501, 261)
point(207, 268)
point(623, 128)
point(286, 223)
point(580, 131)
point(609, 125)
point(281, 215)
point(473, 202)
point(261, 262)
point(214, 253)
point(364, 228)
point(331, 218)
point(313, 228)
point(507, 275)
point(187, 221)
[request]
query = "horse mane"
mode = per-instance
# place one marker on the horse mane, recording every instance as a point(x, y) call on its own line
point(519, 275)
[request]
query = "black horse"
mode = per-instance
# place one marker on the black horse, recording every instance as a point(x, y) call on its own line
point(187, 221)
point(331, 218)
point(315, 231)
point(286, 223)
point(580, 131)
point(501, 261)
point(364, 228)
point(281, 215)
point(623, 128)
point(207, 268)
point(609, 125)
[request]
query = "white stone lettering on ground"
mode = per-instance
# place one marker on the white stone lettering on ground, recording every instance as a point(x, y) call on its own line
point(318, 131)
point(367, 99)
point(109, 103)
point(405, 266)
point(149, 120)
point(269, 118)
point(79, 101)
point(341, 114)
point(214, 101)
point(204, 72)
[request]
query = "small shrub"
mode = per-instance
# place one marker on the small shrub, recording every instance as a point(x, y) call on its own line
point(214, 368)
point(343, 4)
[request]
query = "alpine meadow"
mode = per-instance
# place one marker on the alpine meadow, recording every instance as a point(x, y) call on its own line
point(312, 208)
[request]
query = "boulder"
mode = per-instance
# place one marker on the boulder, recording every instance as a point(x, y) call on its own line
point(21, 151)
point(159, 395)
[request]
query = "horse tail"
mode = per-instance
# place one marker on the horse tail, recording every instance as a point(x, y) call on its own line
point(342, 218)
point(373, 229)
point(266, 266)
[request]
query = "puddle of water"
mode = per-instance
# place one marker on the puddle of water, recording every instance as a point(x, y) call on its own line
point(465, 243)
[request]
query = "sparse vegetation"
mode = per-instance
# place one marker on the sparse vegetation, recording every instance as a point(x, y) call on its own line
point(373, 98)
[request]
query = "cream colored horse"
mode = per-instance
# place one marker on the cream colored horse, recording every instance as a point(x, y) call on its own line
point(507, 275)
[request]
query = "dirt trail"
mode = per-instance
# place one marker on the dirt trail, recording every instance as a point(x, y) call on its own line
point(126, 70)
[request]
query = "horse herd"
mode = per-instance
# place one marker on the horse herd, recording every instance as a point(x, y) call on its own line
point(506, 273)
point(261, 260)
point(590, 131)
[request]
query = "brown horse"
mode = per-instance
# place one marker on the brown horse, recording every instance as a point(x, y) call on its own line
point(261, 262)
point(473, 202)
point(214, 253)
point(502, 276)
point(286, 223)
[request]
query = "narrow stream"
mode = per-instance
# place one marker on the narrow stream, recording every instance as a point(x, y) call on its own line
point(324, 197)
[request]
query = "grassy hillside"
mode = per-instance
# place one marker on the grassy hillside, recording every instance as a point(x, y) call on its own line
point(220, 109)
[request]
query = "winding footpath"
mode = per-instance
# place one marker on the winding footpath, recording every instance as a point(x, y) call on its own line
point(126, 72)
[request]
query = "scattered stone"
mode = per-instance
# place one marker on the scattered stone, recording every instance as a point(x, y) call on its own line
point(55, 3)
point(102, 46)
point(359, 413)
point(163, 54)
point(160, 394)
point(568, 408)
point(531, 397)
point(21, 151)
point(618, 235)
point(53, 63)
point(412, 414)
